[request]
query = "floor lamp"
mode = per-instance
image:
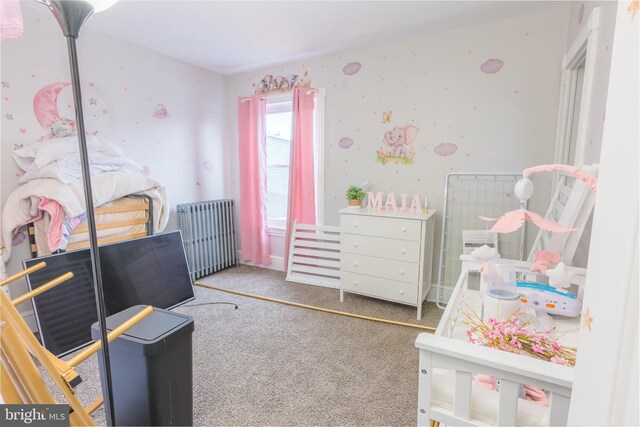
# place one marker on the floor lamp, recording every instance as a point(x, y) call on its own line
point(71, 15)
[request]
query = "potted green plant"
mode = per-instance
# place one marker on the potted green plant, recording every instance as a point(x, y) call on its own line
point(355, 195)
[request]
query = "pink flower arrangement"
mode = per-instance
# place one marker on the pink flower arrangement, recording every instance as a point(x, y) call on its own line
point(515, 337)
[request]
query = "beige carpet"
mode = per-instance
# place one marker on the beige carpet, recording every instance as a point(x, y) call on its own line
point(270, 364)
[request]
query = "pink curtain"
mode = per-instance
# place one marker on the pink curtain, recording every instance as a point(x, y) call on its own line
point(10, 19)
point(302, 205)
point(254, 238)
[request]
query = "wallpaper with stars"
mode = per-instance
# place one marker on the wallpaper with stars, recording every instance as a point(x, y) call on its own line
point(404, 114)
point(165, 114)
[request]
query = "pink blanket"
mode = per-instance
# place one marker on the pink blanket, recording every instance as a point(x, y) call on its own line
point(56, 212)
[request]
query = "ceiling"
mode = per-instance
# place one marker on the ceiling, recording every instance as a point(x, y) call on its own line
point(235, 36)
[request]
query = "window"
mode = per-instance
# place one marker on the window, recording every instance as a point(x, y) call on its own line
point(278, 127)
point(278, 124)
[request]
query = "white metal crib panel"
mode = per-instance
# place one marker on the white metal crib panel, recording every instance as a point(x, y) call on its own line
point(209, 236)
point(314, 255)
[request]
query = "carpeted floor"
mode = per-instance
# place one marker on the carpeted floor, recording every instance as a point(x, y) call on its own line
point(270, 364)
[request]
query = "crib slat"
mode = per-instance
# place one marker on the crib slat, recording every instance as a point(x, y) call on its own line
point(558, 409)
point(508, 404)
point(462, 402)
point(424, 388)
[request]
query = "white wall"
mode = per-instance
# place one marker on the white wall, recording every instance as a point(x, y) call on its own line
point(605, 390)
point(501, 122)
point(127, 83)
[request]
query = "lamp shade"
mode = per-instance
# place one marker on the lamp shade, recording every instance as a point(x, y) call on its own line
point(100, 5)
point(71, 15)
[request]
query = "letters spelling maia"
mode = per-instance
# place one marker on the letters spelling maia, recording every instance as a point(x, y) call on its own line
point(374, 201)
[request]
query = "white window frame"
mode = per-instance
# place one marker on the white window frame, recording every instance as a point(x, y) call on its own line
point(276, 228)
point(278, 104)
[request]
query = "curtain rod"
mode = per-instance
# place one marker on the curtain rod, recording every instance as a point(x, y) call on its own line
point(280, 94)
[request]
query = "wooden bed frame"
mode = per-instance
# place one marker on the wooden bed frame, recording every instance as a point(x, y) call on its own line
point(116, 221)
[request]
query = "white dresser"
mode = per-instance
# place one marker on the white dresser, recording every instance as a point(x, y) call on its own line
point(386, 254)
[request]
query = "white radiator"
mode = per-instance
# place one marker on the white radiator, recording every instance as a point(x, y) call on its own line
point(209, 236)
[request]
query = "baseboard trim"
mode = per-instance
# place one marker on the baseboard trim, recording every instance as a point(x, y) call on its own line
point(277, 262)
point(445, 294)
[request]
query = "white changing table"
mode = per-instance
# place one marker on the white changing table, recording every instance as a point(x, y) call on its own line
point(448, 363)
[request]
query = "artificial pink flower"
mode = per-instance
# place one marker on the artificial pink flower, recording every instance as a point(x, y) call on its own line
point(559, 360)
point(511, 336)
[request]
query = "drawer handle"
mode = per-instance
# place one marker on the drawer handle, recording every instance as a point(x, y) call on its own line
point(404, 229)
point(355, 224)
point(355, 244)
point(403, 251)
point(402, 271)
point(401, 292)
point(355, 263)
point(355, 283)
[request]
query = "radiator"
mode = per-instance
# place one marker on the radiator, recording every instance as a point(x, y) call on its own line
point(209, 236)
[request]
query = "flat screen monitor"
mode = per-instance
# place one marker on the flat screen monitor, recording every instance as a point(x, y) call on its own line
point(151, 270)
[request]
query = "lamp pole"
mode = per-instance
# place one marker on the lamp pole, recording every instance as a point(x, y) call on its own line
point(71, 15)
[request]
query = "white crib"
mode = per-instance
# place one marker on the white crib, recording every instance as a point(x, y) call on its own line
point(448, 362)
point(447, 393)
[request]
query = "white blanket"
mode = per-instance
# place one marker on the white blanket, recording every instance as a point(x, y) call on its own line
point(22, 204)
point(60, 159)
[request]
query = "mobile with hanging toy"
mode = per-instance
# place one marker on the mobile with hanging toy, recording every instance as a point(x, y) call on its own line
point(552, 298)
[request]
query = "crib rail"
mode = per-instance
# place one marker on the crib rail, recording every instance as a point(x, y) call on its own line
point(437, 352)
point(453, 309)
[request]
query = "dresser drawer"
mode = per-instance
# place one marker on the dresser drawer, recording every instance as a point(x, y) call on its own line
point(400, 250)
point(393, 228)
point(380, 267)
point(379, 288)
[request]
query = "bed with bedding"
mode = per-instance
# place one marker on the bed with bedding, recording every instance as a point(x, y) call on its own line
point(51, 197)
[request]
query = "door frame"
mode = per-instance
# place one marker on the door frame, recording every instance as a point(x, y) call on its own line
point(582, 51)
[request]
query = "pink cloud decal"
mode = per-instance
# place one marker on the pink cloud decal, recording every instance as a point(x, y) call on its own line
point(345, 142)
point(145, 170)
point(492, 66)
point(207, 165)
point(445, 149)
point(351, 68)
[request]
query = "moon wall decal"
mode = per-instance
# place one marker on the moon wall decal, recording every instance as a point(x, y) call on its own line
point(45, 104)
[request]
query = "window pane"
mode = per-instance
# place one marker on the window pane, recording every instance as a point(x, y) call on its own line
point(278, 149)
point(279, 124)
